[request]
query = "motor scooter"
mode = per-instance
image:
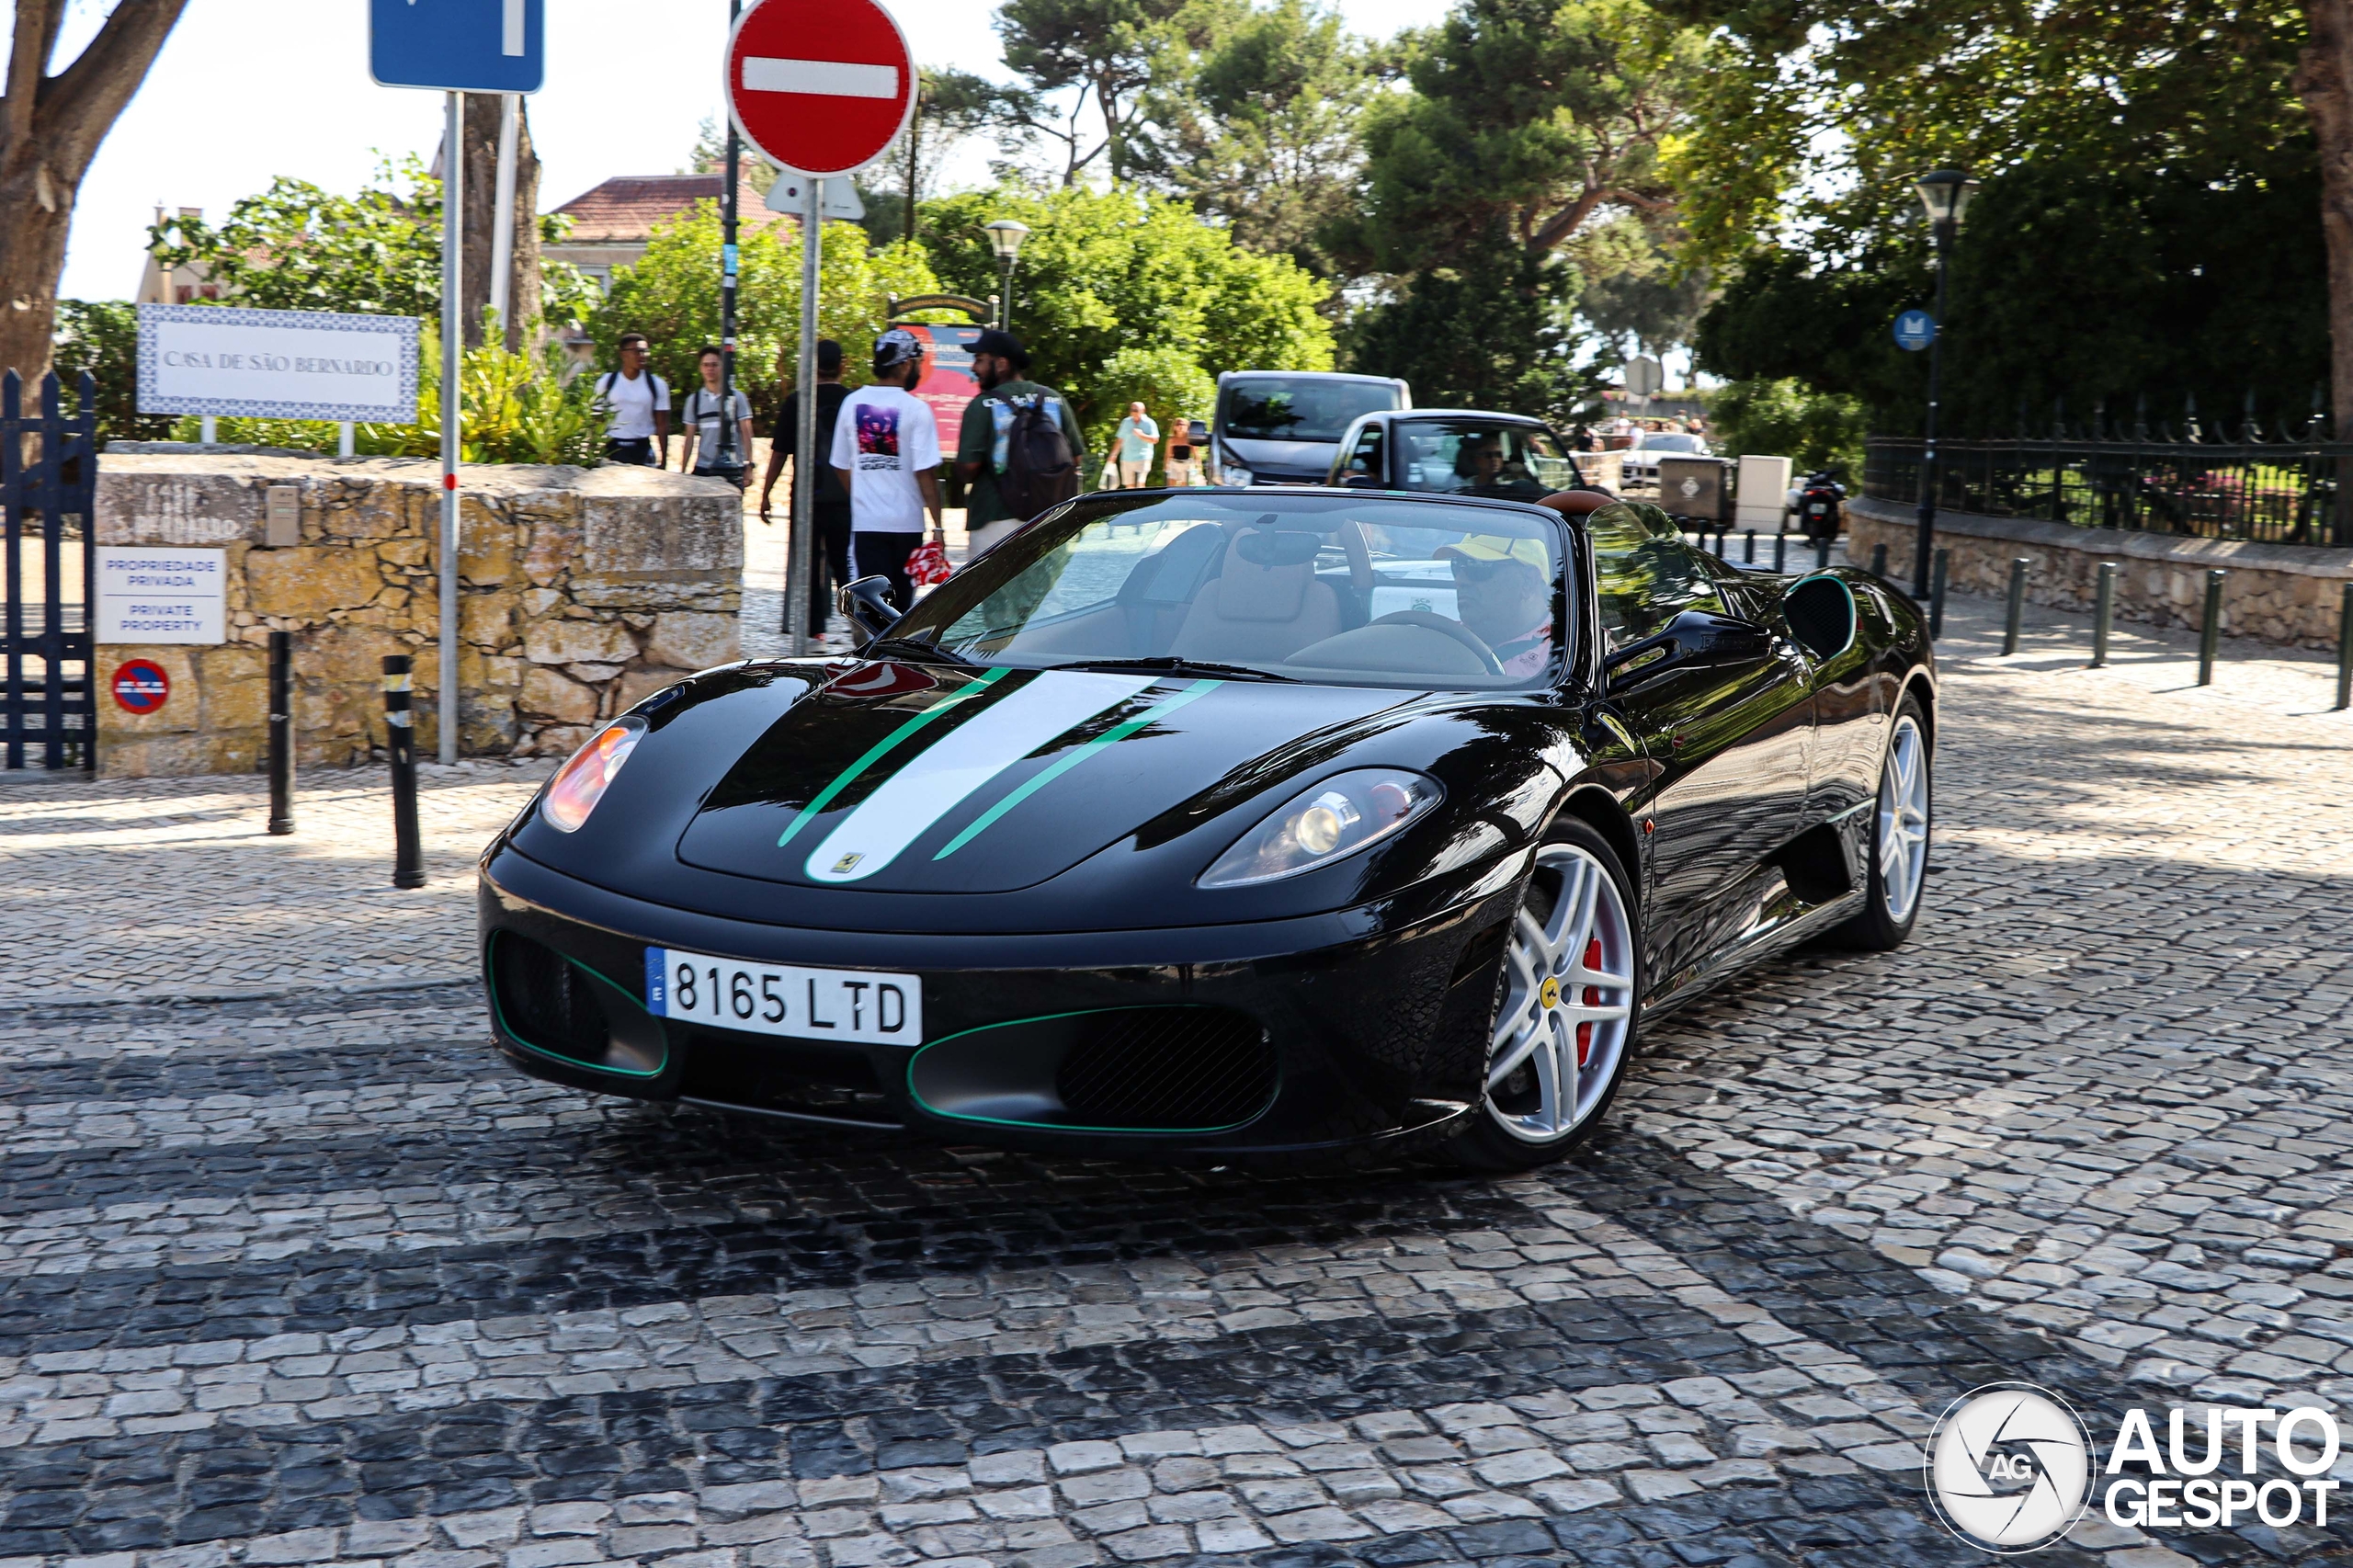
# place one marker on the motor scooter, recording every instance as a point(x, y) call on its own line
point(1819, 503)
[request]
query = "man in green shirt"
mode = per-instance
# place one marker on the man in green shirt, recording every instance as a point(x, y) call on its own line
point(1000, 364)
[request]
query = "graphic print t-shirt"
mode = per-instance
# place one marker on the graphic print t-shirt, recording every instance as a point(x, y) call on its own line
point(885, 437)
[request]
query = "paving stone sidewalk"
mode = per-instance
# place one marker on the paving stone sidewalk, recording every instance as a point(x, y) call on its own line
point(299, 1274)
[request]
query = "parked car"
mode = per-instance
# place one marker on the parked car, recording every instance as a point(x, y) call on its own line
point(1469, 453)
point(1640, 466)
point(1211, 824)
point(1283, 426)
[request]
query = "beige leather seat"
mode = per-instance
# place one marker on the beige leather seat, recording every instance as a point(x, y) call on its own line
point(1255, 612)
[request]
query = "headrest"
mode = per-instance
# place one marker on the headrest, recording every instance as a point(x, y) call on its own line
point(1265, 576)
point(1276, 547)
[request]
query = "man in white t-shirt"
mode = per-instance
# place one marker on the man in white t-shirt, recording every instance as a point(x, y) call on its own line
point(639, 402)
point(886, 452)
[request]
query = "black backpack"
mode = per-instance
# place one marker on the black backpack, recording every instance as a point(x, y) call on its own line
point(1041, 471)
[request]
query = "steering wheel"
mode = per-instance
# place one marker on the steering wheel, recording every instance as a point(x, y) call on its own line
point(1453, 629)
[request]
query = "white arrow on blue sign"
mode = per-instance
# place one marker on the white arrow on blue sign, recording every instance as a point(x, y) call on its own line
point(1914, 330)
point(459, 46)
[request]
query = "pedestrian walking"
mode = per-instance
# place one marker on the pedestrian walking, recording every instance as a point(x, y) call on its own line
point(1136, 438)
point(705, 416)
point(1184, 438)
point(1020, 450)
point(639, 403)
point(829, 557)
point(886, 450)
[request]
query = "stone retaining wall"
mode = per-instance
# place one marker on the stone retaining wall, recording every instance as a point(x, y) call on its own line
point(2278, 593)
point(581, 591)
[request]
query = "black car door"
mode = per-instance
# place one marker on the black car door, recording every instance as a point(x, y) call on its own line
point(1730, 734)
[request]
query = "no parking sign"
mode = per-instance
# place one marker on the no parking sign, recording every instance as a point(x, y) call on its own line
point(141, 686)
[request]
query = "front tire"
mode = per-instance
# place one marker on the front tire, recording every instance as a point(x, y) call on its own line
point(1901, 821)
point(1566, 1009)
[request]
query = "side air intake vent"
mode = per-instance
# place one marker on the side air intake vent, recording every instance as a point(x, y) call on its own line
point(556, 1006)
point(1120, 1070)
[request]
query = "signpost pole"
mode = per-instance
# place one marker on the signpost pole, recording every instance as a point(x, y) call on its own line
point(502, 221)
point(805, 465)
point(453, 195)
point(731, 266)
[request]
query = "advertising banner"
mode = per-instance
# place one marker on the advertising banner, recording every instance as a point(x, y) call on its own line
point(947, 385)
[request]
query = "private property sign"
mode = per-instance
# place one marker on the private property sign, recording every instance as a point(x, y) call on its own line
point(819, 86)
point(155, 595)
point(219, 359)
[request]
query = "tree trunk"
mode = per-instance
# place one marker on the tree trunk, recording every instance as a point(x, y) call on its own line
point(522, 326)
point(2325, 79)
point(49, 130)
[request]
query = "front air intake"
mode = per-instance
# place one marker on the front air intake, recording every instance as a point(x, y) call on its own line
point(1118, 1070)
point(560, 1008)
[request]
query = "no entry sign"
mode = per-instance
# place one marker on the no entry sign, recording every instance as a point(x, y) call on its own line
point(819, 86)
point(141, 686)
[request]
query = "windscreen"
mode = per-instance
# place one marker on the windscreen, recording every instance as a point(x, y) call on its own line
point(1301, 408)
point(1470, 457)
point(1673, 441)
point(1332, 589)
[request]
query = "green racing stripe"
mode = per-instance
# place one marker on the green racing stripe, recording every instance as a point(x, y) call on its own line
point(882, 747)
point(1072, 758)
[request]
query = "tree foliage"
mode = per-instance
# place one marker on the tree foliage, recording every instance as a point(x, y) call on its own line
point(1491, 331)
point(1117, 270)
point(1106, 53)
point(102, 337)
point(1786, 417)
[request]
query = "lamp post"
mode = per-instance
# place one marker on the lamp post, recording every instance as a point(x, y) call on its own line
point(1005, 238)
point(1946, 194)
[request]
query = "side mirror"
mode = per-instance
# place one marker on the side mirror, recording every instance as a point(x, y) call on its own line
point(1694, 640)
point(867, 602)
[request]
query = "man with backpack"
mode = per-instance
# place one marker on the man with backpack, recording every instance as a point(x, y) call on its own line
point(830, 557)
point(639, 402)
point(1019, 451)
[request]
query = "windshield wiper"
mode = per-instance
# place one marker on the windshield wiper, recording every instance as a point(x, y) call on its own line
point(1166, 664)
point(917, 648)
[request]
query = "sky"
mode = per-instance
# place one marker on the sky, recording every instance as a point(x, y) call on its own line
point(247, 90)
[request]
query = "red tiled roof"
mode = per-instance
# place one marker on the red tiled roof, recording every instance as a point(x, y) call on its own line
point(625, 211)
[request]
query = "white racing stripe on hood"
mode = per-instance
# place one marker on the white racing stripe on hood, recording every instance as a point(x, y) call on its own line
point(929, 786)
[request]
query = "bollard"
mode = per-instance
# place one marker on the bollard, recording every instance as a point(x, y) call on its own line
point(1781, 552)
point(400, 736)
point(1723, 542)
point(1937, 594)
point(281, 732)
point(1750, 558)
point(2209, 634)
point(2018, 605)
point(2103, 613)
point(2345, 652)
point(1879, 560)
point(1821, 554)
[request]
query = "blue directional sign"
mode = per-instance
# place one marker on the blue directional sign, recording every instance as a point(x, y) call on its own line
point(1914, 330)
point(460, 46)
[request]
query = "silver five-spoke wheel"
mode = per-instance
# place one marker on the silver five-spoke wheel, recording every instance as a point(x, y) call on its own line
point(1903, 819)
point(1567, 1013)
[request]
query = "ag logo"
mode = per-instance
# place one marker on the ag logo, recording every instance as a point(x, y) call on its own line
point(2009, 1467)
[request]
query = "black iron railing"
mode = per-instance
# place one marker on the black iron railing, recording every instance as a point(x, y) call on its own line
point(48, 478)
point(2281, 492)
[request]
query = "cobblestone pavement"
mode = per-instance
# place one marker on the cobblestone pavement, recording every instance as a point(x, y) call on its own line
point(299, 1274)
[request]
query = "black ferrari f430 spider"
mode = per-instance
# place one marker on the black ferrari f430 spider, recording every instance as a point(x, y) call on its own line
point(1227, 826)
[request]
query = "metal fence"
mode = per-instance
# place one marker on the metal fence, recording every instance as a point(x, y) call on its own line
point(48, 476)
point(2282, 492)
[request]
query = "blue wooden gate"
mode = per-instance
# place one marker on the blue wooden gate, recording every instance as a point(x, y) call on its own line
point(49, 472)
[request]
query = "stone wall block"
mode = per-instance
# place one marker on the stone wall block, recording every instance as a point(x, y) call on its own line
point(235, 680)
point(578, 642)
point(689, 639)
point(639, 683)
point(549, 694)
point(310, 583)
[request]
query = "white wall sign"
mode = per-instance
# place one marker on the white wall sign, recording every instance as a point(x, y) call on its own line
point(221, 359)
point(162, 595)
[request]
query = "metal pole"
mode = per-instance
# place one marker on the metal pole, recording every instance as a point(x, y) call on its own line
point(1005, 304)
point(502, 218)
point(1749, 559)
point(804, 464)
point(453, 197)
point(1937, 595)
point(281, 732)
point(1928, 457)
point(731, 264)
point(2345, 652)
point(2018, 605)
point(1879, 560)
point(346, 440)
point(2210, 636)
point(2103, 613)
point(914, 143)
point(400, 744)
point(1821, 554)
point(1781, 552)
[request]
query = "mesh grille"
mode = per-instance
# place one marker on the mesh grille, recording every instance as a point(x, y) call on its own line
point(772, 1075)
point(546, 1002)
point(1174, 1068)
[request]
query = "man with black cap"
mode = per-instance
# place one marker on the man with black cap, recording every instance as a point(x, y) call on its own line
point(886, 454)
point(830, 559)
point(984, 454)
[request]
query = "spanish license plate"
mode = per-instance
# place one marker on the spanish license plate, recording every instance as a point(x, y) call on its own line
point(857, 1006)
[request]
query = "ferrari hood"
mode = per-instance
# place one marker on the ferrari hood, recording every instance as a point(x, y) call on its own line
point(899, 779)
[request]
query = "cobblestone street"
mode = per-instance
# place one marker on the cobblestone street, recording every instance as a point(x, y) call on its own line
point(294, 1270)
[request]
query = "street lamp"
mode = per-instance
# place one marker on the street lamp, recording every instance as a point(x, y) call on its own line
point(1946, 194)
point(1005, 235)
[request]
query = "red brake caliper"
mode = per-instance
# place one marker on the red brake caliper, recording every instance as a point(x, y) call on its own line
point(1592, 999)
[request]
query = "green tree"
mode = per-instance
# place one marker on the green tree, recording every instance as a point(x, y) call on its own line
point(1489, 330)
point(1785, 418)
point(102, 337)
point(1108, 270)
point(672, 296)
point(1638, 292)
point(1169, 383)
point(951, 105)
point(1105, 52)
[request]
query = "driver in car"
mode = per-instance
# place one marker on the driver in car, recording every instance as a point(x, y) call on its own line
point(1502, 594)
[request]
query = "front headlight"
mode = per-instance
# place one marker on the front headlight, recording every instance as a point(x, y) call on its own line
point(580, 783)
point(1328, 821)
point(1234, 473)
